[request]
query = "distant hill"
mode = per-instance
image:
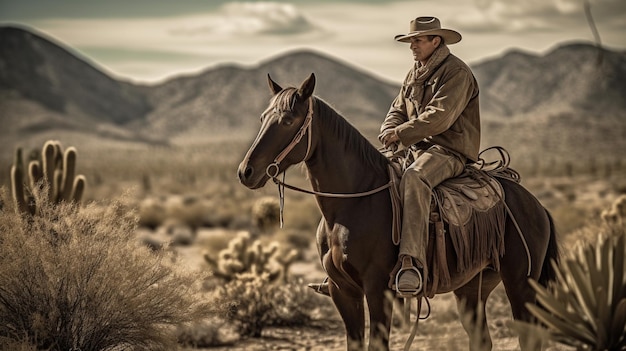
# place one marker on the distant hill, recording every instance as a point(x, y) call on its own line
point(572, 77)
point(569, 102)
point(231, 96)
point(44, 86)
point(565, 106)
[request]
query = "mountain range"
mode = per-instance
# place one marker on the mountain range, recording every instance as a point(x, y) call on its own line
point(528, 101)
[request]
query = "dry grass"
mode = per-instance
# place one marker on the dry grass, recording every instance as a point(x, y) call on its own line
point(76, 279)
point(197, 186)
point(253, 303)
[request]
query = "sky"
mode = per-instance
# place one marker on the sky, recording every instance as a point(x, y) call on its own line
point(149, 41)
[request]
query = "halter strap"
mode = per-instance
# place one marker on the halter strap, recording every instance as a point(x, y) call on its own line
point(306, 127)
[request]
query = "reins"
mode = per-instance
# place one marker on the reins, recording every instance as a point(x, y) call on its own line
point(273, 169)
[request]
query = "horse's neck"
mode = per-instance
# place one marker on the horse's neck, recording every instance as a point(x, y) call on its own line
point(335, 168)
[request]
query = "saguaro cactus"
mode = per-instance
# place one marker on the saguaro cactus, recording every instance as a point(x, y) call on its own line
point(56, 173)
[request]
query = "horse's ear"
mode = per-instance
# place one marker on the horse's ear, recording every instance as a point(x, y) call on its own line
point(306, 89)
point(274, 87)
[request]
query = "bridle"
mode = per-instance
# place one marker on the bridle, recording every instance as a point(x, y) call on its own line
point(273, 169)
point(306, 127)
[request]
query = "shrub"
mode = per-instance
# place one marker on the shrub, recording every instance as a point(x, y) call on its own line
point(207, 332)
point(253, 303)
point(76, 279)
point(616, 215)
point(266, 214)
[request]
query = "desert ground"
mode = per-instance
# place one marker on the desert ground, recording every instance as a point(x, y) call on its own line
point(188, 202)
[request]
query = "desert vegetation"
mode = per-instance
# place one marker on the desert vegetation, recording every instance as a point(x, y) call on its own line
point(169, 248)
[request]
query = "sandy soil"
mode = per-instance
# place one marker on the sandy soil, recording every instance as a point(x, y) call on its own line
point(441, 331)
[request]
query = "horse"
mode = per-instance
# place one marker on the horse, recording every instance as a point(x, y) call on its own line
point(354, 238)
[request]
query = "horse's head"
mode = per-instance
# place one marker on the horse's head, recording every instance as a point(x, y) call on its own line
point(281, 141)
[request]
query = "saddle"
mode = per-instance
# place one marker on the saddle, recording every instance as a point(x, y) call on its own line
point(456, 199)
point(470, 209)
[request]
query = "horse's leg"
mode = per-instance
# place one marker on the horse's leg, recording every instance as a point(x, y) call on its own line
point(473, 316)
point(380, 310)
point(352, 311)
point(519, 292)
point(536, 228)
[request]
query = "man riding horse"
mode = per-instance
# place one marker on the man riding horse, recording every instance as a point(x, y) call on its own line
point(435, 123)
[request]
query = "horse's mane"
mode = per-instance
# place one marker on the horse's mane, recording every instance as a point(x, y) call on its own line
point(331, 121)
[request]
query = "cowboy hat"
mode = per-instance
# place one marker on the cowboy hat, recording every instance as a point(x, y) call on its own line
point(422, 26)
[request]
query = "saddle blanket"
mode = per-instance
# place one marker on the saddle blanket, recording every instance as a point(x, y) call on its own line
point(470, 210)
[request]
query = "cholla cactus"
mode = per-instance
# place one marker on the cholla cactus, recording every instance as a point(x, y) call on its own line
point(244, 256)
point(55, 173)
point(253, 303)
point(587, 307)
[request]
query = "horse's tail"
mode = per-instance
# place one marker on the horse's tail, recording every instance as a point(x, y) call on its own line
point(548, 270)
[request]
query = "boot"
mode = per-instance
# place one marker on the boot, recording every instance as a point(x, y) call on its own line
point(321, 288)
point(409, 279)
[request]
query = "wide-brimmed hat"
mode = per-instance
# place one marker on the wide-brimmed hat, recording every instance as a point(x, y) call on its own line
point(422, 26)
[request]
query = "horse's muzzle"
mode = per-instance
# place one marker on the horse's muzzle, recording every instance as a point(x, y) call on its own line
point(248, 177)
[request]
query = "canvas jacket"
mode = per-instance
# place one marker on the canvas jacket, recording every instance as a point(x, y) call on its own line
point(447, 115)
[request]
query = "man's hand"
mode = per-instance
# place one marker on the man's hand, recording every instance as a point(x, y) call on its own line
point(388, 137)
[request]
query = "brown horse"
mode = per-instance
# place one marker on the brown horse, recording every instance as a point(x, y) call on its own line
point(354, 236)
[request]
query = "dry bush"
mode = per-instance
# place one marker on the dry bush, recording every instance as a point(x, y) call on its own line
point(152, 212)
point(209, 332)
point(266, 214)
point(253, 303)
point(191, 211)
point(616, 215)
point(9, 344)
point(75, 279)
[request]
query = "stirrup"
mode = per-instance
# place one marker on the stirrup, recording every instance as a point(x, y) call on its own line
point(321, 288)
point(409, 267)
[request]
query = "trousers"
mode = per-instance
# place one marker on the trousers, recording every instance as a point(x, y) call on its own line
point(430, 168)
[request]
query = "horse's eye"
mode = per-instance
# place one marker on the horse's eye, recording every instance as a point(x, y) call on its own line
point(286, 121)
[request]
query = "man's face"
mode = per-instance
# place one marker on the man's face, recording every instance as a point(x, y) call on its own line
point(422, 48)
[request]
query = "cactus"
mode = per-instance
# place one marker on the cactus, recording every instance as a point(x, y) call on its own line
point(244, 256)
point(55, 173)
point(586, 306)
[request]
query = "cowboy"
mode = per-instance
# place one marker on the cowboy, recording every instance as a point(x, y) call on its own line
point(435, 122)
point(435, 119)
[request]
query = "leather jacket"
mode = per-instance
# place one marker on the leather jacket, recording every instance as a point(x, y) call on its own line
point(447, 114)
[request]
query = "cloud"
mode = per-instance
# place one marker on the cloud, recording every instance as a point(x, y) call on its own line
point(202, 35)
point(534, 15)
point(252, 18)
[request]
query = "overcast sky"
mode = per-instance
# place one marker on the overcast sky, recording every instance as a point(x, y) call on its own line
point(150, 40)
